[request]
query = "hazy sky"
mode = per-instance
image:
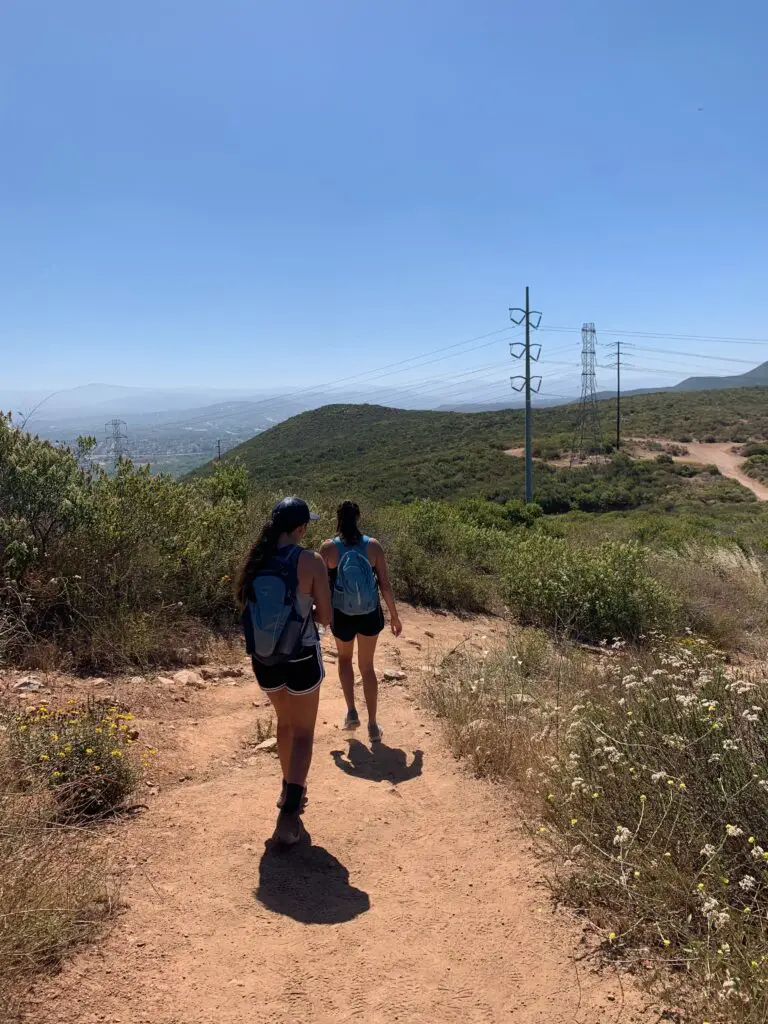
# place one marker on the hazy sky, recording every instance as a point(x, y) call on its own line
point(249, 193)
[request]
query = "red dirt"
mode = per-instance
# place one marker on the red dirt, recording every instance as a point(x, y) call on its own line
point(420, 899)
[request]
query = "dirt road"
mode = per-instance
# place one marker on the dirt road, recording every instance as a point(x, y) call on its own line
point(419, 899)
point(722, 456)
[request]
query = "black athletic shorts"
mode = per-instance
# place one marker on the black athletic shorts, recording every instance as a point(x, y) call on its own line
point(302, 674)
point(347, 627)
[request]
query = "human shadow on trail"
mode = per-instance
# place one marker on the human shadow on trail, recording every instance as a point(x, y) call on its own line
point(379, 764)
point(309, 884)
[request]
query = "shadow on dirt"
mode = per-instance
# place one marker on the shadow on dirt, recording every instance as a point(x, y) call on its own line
point(308, 884)
point(379, 764)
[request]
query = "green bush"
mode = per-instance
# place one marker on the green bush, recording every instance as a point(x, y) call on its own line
point(592, 593)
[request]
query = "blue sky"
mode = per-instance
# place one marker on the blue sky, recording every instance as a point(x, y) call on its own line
point(245, 193)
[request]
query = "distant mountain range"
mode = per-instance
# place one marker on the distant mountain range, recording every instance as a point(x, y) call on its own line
point(751, 379)
point(182, 427)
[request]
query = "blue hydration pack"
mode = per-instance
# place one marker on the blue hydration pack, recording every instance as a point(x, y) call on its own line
point(271, 619)
point(356, 591)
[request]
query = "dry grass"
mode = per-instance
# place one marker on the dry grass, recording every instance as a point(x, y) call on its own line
point(59, 767)
point(648, 772)
point(724, 594)
point(53, 888)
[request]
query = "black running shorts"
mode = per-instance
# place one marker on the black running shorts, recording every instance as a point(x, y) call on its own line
point(347, 627)
point(301, 675)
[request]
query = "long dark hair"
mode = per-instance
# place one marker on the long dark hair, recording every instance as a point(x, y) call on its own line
point(258, 556)
point(347, 515)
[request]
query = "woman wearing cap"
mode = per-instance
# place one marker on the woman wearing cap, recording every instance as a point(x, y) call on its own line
point(365, 627)
point(293, 686)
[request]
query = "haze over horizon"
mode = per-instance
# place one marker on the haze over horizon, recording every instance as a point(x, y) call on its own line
point(254, 198)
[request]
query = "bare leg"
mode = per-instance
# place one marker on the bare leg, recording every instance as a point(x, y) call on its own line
point(346, 649)
point(366, 649)
point(303, 712)
point(281, 703)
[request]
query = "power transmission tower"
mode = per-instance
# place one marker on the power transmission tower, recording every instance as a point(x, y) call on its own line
point(117, 440)
point(588, 439)
point(218, 451)
point(531, 318)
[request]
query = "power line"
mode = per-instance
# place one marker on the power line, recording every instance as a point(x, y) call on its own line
point(366, 376)
point(674, 337)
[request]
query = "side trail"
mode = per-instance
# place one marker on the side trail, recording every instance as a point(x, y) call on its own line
point(419, 899)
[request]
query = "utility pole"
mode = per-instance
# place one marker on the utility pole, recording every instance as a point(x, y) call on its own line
point(218, 451)
point(618, 395)
point(531, 319)
point(117, 434)
point(617, 352)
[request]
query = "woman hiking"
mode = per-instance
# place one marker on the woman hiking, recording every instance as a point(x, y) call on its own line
point(283, 592)
point(358, 570)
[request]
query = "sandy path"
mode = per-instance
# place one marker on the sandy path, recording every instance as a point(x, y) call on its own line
point(418, 901)
point(722, 456)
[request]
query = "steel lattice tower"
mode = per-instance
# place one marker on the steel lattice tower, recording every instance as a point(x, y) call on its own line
point(117, 435)
point(588, 439)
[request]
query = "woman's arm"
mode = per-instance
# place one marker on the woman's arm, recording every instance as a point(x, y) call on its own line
point(329, 554)
point(379, 562)
point(321, 592)
point(313, 580)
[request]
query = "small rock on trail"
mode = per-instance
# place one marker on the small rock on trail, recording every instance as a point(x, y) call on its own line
point(186, 677)
point(29, 686)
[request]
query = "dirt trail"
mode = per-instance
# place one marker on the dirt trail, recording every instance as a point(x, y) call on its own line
point(418, 901)
point(729, 464)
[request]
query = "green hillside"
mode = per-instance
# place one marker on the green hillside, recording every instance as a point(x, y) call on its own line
point(397, 455)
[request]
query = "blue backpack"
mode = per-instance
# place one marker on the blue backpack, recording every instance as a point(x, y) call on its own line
point(271, 619)
point(356, 591)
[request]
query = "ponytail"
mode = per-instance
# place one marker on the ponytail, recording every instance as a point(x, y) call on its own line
point(347, 516)
point(257, 558)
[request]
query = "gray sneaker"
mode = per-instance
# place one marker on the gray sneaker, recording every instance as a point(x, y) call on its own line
point(375, 733)
point(288, 830)
point(351, 720)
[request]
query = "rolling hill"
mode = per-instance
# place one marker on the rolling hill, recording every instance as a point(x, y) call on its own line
point(392, 454)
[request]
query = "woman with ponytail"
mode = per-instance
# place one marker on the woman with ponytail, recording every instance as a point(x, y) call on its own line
point(277, 564)
point(358, 571)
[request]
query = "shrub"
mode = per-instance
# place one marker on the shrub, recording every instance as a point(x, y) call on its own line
point(594, 594)
point(647, 772)
point(659, 791)
point(82, 753)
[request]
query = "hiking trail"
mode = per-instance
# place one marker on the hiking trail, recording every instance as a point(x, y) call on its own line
point(420, 899)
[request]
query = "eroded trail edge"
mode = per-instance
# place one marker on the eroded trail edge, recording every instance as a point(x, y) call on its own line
point(419, 900)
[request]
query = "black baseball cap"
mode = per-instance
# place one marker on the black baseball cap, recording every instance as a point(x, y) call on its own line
point(291, 513)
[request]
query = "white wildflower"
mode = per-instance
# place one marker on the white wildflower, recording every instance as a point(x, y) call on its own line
point(747, 883)
point(659, 776)
point(728, 989)
point(730, 744)
point(734, 831)
point(763, 783)
point(708, 851)
point(622, 837)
